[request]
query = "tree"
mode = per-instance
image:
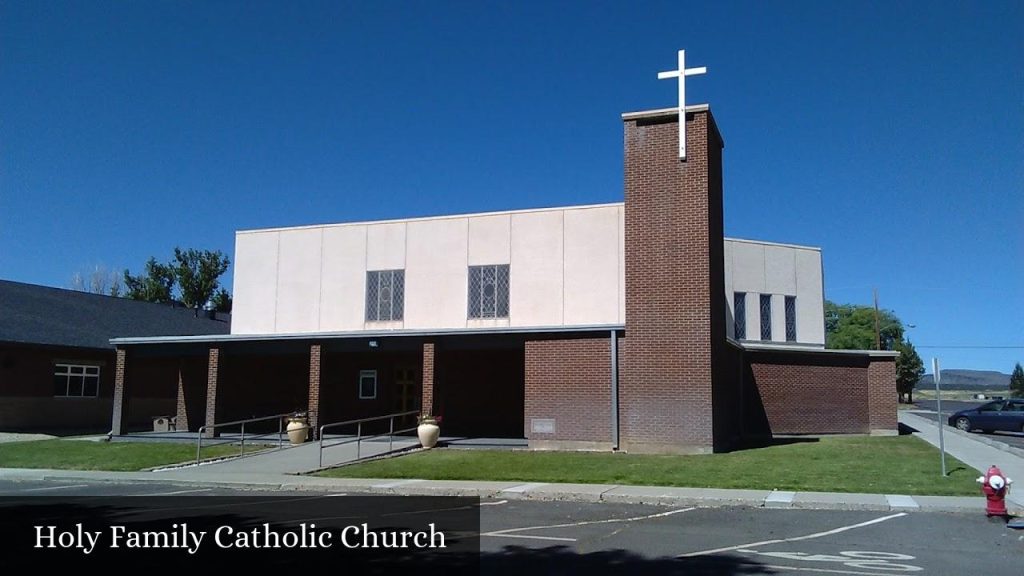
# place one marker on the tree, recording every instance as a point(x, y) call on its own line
point(1017, 381)
point(222, 301)
point(101, 280)
point(157, 285)
point(909, 370)
point(197, 273)
point(852, 327)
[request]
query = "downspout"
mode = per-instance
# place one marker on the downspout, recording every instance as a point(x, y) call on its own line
point(615, 390)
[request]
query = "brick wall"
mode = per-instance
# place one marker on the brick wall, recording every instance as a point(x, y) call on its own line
point(672, 234)
point(882, 395)
point(569, 383)
point(811, 393)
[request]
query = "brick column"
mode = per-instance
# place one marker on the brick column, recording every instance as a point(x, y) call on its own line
point(675, 328)
point(427, 401)
point(117, 419)
point(314, 389)
point(882, 396)
point(212, 370)
point(181, 420)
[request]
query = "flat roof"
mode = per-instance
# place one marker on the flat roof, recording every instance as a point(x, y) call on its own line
point(811, 349)
point(351, 334)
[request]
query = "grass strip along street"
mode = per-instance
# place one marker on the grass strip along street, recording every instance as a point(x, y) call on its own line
point(887, 465)
point(111, 456)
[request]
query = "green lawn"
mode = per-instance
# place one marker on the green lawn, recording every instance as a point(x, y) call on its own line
point(889, 465)
point(86, 455)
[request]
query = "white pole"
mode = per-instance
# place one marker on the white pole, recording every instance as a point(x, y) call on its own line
point(937, 376)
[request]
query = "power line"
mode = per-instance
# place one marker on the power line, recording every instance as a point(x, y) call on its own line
point(970, 347)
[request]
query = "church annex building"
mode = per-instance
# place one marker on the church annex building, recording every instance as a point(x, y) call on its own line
point(633, 326)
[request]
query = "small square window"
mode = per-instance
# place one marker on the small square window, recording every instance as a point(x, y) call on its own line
point(385, 295)
point(367, 384)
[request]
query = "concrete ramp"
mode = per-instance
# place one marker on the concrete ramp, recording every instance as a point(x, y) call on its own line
point(292, 459)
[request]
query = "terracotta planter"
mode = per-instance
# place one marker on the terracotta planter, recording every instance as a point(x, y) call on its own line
point(298, 430)
point(428, 432)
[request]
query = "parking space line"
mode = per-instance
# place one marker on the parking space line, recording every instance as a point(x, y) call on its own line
point(820, 570)
point(529, 537)
point(175, 493)
point(793, 539)
point(54, 488)
point(508, 531)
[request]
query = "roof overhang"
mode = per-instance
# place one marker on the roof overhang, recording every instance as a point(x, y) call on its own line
point(505, 330)
point(812, 349)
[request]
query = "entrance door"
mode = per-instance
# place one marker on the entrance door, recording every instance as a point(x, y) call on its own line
point(407, 393)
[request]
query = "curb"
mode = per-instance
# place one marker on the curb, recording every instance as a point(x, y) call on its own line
point(544, 492)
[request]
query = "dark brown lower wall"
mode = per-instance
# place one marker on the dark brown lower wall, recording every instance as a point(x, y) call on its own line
point(27, 400)
point(820, 393)
point(568, 394)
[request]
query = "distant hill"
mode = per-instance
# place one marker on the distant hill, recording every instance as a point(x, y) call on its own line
point(968, 380)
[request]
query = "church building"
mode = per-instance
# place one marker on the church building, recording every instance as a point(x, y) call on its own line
point(633, 326)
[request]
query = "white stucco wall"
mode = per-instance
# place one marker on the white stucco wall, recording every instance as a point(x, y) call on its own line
point(779, 270)
point(566, 269)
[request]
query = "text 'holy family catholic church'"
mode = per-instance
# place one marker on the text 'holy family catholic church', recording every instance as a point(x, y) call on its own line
point(633, 326)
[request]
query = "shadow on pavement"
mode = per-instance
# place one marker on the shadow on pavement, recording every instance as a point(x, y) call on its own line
point(563, 560)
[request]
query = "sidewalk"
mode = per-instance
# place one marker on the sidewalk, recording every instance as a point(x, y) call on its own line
point(659, 495)
point(971, 451)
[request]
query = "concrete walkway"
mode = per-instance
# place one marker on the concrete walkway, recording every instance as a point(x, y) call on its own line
point(971, 451)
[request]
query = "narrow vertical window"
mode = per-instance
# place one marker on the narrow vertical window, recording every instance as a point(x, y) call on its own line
point(739, 313)
point(488, 291)
point(790, 318)
point(766, 316)
point(385, 295)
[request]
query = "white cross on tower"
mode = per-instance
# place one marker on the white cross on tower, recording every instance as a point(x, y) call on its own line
point(681, 74)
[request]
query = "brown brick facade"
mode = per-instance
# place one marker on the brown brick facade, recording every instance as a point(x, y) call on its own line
point(212, 371)
point(672, 230)
point(823, 393)
point(427, 377)
point(313, 408)
point(568, 387)
point(117, 420)
point(882, 395)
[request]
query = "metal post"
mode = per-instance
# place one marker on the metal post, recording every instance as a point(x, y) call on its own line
point(359, 438)
point(280, 438)
point(199, 443)
point(321, 437)
point(391, 434)
point(938, 408)
point(615, 390)
point(242, 442)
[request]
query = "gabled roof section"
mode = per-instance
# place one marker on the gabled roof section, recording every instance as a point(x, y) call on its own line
point(33, 314)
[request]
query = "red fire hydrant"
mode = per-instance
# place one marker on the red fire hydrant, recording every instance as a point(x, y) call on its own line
point(995, 486)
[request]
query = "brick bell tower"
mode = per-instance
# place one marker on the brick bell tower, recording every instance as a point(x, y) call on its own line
point(674, 351)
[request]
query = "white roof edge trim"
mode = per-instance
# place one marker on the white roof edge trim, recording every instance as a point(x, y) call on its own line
point(430, 218)
point(813, 349)
point(365, 334)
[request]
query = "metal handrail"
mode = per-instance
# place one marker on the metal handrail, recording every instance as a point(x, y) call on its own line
point(280, 432)
point(359, 432)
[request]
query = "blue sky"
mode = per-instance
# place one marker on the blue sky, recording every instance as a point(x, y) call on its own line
point(889, 134)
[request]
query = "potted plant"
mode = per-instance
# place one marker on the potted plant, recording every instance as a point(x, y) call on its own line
point(428, 430)
point(298, 427)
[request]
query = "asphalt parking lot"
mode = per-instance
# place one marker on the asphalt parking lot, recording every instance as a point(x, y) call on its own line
point(519, 537)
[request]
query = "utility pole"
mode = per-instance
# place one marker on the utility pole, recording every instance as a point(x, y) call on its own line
point(878, 331)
